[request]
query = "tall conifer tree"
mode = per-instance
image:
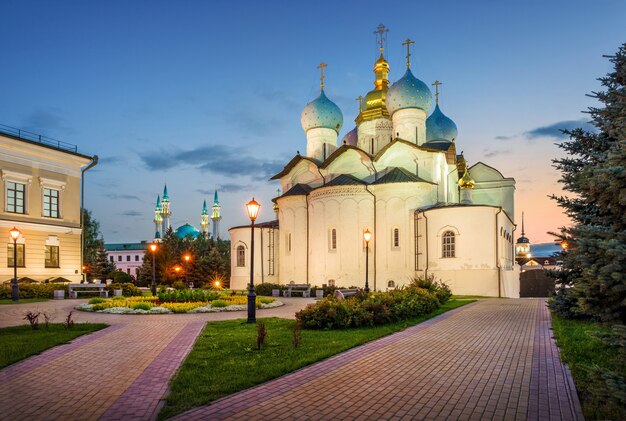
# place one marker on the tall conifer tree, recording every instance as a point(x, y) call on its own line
point(594, 171)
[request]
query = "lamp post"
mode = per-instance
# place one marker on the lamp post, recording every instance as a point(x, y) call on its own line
point(367, 236)
point(153, 249)
point(186, 257)
point(253, 210)
point(15, 289)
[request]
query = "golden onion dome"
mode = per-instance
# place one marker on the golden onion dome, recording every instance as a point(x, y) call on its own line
point(373, 105)
point(466, 182)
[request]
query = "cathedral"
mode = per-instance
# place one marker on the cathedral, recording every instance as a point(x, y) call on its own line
point(392, 200)
point(163, 214)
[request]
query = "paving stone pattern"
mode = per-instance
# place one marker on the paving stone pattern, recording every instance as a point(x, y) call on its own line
point(491, 360)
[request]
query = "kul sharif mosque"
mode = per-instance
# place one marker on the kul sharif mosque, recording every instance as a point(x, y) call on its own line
point(397, 176)
point(163, 214)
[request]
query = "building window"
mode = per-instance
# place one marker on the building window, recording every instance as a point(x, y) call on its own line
point(391, 284)
point(288, 241)
point(111, 259)
point(128, 271)
point(52, 257)
point(50, 203)
point(396, 237)
point(119, 258)
point(136, 271)
point(448, 244)
point(20, 255)
point(15, 197)
point(372, 147)
point(241, 256)
point(333, 239)
point(136, 257)
point(331, 283)
point(128, 258)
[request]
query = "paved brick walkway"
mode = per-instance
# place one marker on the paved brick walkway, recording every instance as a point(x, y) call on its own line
point(494, 359)
point(120, 372)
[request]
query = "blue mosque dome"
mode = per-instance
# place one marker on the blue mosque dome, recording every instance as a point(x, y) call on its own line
point(440, 127)
point(409, 92)
point(351, 138)
point(187, 230)
point(321, 112)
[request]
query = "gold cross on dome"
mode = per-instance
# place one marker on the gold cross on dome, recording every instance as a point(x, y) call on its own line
point(321, 67)
point(380, 36)
point(360, 99)
point(408, 44)
point(436, 85)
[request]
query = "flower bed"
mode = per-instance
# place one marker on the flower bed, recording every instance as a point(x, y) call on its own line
point(154, 305)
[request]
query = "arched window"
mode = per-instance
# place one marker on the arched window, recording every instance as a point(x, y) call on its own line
point(396, 237)
point(333, 239)
point(372, 146)
point(448, 244)
point(391, 284)
point(241, 256)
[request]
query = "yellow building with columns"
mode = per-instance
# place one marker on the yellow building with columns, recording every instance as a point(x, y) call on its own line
point(41, 180)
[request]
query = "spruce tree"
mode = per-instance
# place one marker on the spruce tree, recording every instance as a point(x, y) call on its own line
point(102, 266)
point(594, 171)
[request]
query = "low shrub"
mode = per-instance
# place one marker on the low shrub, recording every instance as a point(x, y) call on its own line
point(32, 290)
point(265, 300)
point(565, 304)
point(120, 277)
point(98, 300)
point(141, 306)
point(187, 295)
point(439, 289)
point(377, 308)
point(179, 285)
point(220, 303)
point(266, 288)
point(128, 289)
point(182, 307)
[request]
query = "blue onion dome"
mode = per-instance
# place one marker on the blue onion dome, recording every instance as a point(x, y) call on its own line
point(409, 92)
point(351, 138)
point(187, 230)
point(321, 112)
point(440, 127)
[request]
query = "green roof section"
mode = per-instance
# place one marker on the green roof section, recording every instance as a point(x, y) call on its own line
point(400, 175)
point(126, 246)
point(298, 190)
point(345, 180)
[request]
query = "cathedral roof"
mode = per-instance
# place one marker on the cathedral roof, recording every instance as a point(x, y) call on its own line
point(351, 138)
point(440, 127)
point(344, 180)
point(298, 190)
point(294, 161)
point(409, 92)
point(321, 113)
point(400, 175)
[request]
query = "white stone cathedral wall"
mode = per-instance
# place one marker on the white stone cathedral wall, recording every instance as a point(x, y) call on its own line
point(315, 140)
point(410, 124)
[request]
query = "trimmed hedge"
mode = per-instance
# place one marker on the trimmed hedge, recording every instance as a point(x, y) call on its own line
point(33, 290)
point(266, 289)
point(187, 295)
point(376, 308)
point(128, 289)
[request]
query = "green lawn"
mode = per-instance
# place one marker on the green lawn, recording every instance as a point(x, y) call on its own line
point(19, 342)
point(224, 358)
point(23, 300)
point(581, 350)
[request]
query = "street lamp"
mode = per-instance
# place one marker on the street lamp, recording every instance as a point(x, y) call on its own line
point(15, 289)
point(367, 236)
point(186, 257)
point(253, 210)
point(153, 249)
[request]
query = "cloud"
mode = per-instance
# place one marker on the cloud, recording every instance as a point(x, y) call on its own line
point(217, 159)
point(132, 213)
point(279, 97)
point(108, 160)
point(227, 188)
point(47, 120)
point(555, 130)
point(116, 196)
point(492, 153)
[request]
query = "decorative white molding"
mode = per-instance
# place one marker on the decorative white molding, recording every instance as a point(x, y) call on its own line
point(40, 227)
point(16, 177)
point(52, 184)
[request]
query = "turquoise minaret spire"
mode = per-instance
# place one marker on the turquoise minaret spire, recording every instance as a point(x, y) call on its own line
point(216, 216)
point(158, 218)
point(166, 212)
point(204, 219)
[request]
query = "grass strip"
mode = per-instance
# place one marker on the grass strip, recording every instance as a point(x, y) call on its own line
point(224, 359)
point(24, 300)
point(19, 342)
point(580, 350)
